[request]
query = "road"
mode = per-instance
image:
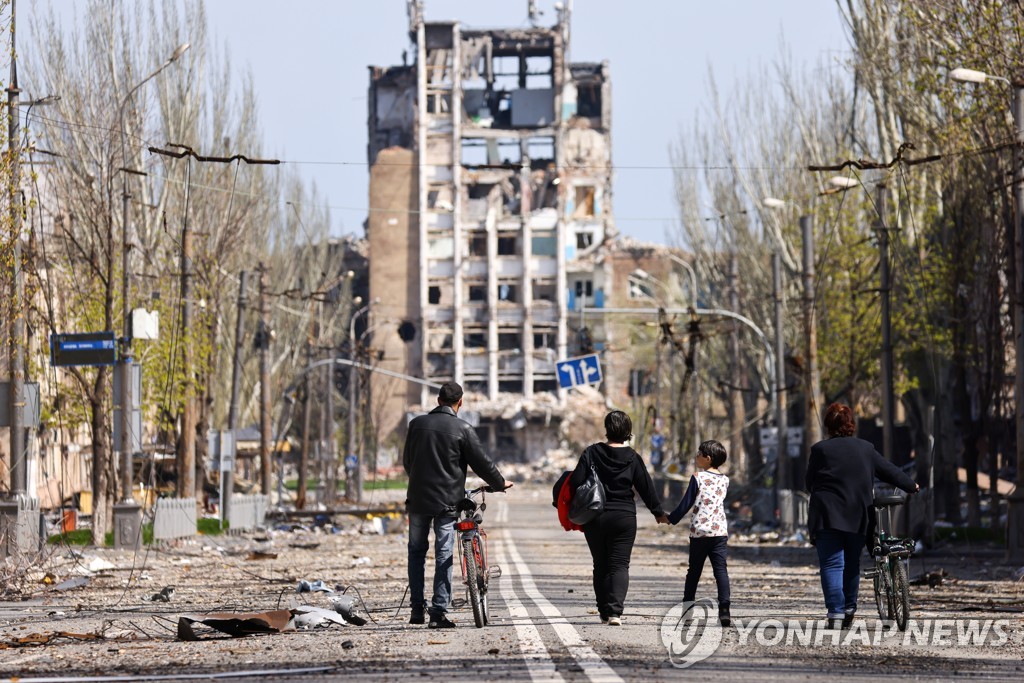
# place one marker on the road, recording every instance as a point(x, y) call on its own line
point(544, 624)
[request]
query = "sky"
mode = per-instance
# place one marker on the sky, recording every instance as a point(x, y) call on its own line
point(308, 60)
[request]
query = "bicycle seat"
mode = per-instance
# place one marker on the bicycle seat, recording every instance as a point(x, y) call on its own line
point(882, 501)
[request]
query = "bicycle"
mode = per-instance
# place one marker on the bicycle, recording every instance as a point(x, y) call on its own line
point(476, 572)
point(892, 558)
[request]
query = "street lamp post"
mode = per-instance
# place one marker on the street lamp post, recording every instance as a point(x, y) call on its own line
point(128, 510)
point(353, 479)
point(1015, 501)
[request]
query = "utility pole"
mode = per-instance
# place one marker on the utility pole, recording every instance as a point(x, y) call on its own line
point(740, 467)
point(307, 404)
point(228, 476)
point(812, 429)
point(19, 464)
point(187, 450)
point(782, 457)
point(885, 288)
point(265, 429)
point(1015, 501)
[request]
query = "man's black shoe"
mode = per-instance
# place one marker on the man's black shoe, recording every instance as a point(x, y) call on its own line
point(440, 622)
point(418, 618)
point(847, 620)
point(724, 617)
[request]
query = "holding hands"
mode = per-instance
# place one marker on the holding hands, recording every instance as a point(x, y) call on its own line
point(662, 519)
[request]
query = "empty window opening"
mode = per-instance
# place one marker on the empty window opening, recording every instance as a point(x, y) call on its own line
point(439, 103)
point(480, 190)
point(538, 72)
point(585, 206)
point(507, 441)
point(434, 295)
point(508, 246)
point(544, 291)
point(439, 341)
point(541, 151)
point(478, 245)
point(509, 341)
point(545, 340)
point(478, 293)
point(584, 240)
point(588, 100)
point(476, 340)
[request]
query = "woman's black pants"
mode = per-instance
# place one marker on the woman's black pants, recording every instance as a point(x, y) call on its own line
point(611, 538)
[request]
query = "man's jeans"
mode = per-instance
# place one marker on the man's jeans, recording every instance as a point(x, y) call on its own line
point(839, 557)
point(444, 544)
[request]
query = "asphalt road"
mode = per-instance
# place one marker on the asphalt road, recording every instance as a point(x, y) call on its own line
point(544, 623)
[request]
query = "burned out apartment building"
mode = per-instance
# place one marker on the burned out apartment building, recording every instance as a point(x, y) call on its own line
point(490, 223)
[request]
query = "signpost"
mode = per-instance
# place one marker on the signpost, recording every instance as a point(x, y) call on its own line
point(573, 372)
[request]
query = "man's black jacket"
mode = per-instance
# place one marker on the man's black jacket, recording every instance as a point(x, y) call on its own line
point(439, 447)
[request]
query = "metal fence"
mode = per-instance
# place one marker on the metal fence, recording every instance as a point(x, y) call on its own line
point(247, 512)
point(174, 518)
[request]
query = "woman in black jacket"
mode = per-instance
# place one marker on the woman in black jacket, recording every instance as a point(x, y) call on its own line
point(841, 472)
point(612, 533)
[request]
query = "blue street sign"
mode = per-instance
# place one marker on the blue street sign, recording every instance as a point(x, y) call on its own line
point(576, 371)
point(350, 462)
point(89, 348)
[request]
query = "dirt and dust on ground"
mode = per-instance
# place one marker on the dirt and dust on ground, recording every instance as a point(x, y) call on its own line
point(91, 611)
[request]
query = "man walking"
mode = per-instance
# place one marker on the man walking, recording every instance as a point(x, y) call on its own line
point(439, 447)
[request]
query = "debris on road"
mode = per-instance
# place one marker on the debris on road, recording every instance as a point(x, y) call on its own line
point(237, 625)
point(74, 582)
point(163, 596)
point(317, 586)
point(261, 555)
point(307, 617)
point(930, 579)
point(34, 639)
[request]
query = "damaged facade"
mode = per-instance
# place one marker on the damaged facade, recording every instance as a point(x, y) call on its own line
point(490, 195)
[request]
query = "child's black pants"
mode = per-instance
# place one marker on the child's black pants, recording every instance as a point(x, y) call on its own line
point(714, 547)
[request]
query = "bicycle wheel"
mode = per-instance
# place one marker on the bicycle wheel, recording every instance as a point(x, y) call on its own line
point(900, 595)
point(881, 586)
point(473, 582)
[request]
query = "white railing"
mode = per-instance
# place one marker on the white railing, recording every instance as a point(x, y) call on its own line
point(174, 518)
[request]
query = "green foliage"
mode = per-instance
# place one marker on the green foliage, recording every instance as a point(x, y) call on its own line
point(83, 537)
point(208, 526)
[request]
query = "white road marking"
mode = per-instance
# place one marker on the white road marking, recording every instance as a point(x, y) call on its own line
point(595, 668)
point(535, 655)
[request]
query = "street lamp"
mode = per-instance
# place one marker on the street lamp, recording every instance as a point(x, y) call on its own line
point(1015, 501)
point(128, 505)
point(353, 482)
point(813, 382)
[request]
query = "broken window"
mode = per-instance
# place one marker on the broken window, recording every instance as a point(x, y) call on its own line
point(434, 295)
point(507, 292)
point(584, 239)
point(541, 151)
point(640, 288)
point(478, 245)
point(585, 205)
point(542, 385)
point(439, 340)
point(478, 292)
point(439, 103)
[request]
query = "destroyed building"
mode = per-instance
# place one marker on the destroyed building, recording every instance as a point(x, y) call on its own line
point(490, 221)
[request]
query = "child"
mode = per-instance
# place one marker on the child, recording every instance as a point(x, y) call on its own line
point(708, 529)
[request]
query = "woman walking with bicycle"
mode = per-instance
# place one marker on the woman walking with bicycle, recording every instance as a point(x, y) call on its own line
point(840, 478)
point(611, 534)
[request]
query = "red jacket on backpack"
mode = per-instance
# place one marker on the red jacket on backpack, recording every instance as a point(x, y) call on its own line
point(562, 496)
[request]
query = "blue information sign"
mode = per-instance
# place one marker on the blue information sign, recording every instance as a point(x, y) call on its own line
point(580, 370)
point(88, 348)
